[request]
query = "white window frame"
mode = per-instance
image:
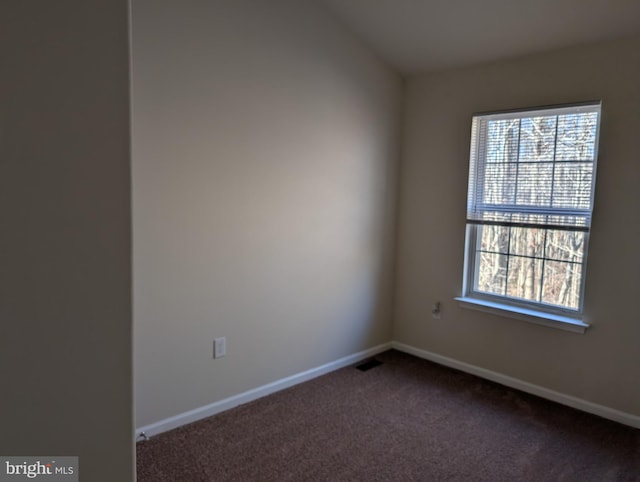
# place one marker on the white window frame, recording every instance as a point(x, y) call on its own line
point(503, 305)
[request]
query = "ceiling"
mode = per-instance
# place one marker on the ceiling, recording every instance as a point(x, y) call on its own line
point(422, 35)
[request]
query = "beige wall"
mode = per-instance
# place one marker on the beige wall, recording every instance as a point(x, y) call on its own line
point(600, 366)
point(65, 288)
point(265, 145)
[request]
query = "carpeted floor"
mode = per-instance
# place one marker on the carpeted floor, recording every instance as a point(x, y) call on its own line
point(405, 420)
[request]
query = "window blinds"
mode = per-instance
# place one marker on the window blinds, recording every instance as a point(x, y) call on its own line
point(534, 169)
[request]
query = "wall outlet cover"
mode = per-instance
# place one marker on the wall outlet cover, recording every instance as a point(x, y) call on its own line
point(219, 347)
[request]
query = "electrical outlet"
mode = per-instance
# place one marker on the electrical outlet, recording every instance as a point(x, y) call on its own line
point(219, 347)
point(436, 312)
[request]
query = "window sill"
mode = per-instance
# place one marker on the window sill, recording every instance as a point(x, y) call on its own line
point(545, 319)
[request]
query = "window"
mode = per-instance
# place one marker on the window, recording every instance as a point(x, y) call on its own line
point(530, 199)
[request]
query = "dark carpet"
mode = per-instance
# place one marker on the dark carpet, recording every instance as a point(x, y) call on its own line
point(405, 419)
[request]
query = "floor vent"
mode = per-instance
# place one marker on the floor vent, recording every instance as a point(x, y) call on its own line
point(368, 365)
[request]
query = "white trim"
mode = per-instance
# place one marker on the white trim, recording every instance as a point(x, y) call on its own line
point(560, 109)
point(525, 314)
point(577, 403)
point(255, 393)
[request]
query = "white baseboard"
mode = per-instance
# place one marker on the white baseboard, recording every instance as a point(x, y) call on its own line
point(253, 394)
point(577, 403)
